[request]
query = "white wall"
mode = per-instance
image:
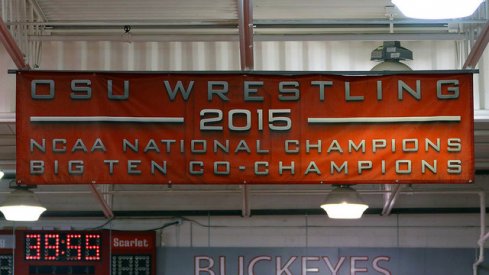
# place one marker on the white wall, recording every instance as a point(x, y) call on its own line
point(292, 231)
point(279, 56)
point(7, 83)
point(437, 231)
point(199, 56)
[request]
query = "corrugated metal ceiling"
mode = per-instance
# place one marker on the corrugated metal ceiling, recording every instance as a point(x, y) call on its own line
point(138, 10)
point(320, 9)
point(194, 10)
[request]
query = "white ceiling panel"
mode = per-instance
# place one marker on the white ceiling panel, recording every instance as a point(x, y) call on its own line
point(5, 129)
point(320, 9)
point(138, 10)
point(194, 10)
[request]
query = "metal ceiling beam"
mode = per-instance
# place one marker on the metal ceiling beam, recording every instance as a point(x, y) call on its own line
point(482, 239)
point(369, 21)
point(360, 37)
point(257, 37)
point(105, 207)
point(286, 191)
point(38, 10)
point(478, 48)
point(300, 23)
point(7, 117)
point(138, 38)
point(245, 15)
point(157, 214)
point(246, 209)
point(118, 24)
point(11, 46)
point(391, 201)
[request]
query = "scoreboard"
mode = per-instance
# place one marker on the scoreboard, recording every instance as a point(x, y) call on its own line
point(60, 247)
point(96, 252)
point(6, 253)
point(133, 254)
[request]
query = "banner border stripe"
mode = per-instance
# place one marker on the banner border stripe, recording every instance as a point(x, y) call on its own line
point(327, 120)
point(82, 119)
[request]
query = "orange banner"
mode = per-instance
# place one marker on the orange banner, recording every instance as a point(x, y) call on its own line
point(232, 128)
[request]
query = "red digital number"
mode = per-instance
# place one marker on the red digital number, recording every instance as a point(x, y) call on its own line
point(92, 247)
point(33, 247)
point(51, 246)
point(73, 247)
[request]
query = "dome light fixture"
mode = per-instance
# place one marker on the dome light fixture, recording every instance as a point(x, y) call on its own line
point(344, 202)
point(22, 205)
point(390, 54)
point(437, 9)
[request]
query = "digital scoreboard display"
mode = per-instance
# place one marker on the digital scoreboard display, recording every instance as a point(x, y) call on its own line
point(95, 252)
point(6, 265)
point(62, 246)
point(6, 252)
point(131, 264)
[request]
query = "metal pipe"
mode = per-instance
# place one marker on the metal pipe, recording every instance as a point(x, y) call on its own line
point(257, 37)
point(237, 192)
point(487, 10)
point(360, 37)
point(245, 15)
point(54, 192)
point(274, 73)
point(38, 10)
point(11, 46)
point(478, 48)
point(4, 8)
point(391, 201)
point(246, 210)
point(105, 207)
point(387, 187)
point(482, 197)
point(257, 22)
point(140, 23)
point(483, 239)
point(258, 192)
point(107, 197)
point(369, 192)
point(318, 192)
point(138, 38)
point(386, 21)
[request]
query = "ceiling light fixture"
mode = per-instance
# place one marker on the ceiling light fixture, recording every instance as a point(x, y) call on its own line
point(437, 9)
point(344, 202)
point(391, 53)
point(22, 205)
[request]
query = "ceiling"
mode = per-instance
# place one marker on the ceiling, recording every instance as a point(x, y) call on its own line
point(207, 10)
point(221, 19)
point(92, 19)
